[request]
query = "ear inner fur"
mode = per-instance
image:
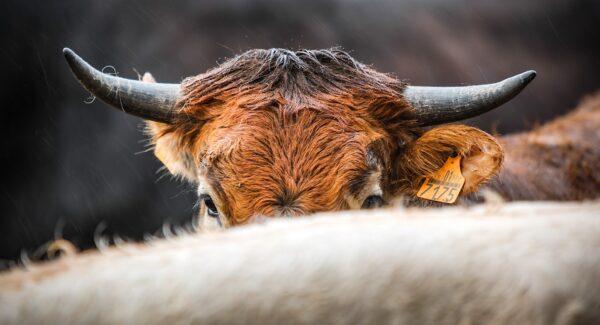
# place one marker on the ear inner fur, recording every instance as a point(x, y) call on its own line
point(482, 157)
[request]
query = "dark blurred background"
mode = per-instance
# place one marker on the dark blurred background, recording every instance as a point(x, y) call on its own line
point(72, 169)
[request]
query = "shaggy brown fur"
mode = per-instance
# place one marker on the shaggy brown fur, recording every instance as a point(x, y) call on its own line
point(283, 133)
point(268, 128)
point(558, 161)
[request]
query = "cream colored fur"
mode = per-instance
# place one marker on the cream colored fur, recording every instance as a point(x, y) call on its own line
point(519, 263)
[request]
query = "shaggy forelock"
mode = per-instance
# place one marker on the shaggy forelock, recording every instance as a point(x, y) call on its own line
point(297, 76)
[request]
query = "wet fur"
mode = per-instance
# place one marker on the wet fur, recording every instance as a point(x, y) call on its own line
point(278, 132)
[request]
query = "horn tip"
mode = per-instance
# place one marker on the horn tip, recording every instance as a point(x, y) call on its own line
point(71, 57)
point(527, 76)
point(68, 53)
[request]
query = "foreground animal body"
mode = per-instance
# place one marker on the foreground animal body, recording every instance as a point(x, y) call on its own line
point(283, 133)
point(518, 263)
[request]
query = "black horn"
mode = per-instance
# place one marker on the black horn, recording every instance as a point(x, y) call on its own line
point(437, 105)
point(152, 101)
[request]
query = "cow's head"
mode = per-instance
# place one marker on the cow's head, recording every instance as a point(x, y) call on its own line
point(284, 133)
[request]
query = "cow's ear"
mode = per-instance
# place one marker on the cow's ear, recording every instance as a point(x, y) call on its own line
point(172, 151)
point(169, 147)
point(481, 155)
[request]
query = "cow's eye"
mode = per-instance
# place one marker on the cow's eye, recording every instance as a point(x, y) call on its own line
point(211, 208)
point(373, 201)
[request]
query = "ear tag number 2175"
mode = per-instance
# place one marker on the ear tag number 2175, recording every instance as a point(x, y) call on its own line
point(445, 184)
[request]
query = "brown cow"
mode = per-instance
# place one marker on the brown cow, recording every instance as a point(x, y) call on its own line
point(283, 133)
point(558, 161)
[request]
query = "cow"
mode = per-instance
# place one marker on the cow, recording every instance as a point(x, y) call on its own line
point(287, 133)
point(513, 263)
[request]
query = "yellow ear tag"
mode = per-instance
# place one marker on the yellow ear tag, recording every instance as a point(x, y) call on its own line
point(445, 184)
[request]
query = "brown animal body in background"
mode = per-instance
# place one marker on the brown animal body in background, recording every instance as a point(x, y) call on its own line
point(284, 133)
point(557, 161)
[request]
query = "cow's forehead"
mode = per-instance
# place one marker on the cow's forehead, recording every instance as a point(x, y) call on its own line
point(285, 132)
point(287, 161)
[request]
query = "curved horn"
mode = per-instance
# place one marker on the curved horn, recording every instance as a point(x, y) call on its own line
point(152, 101)
point(437, 105)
